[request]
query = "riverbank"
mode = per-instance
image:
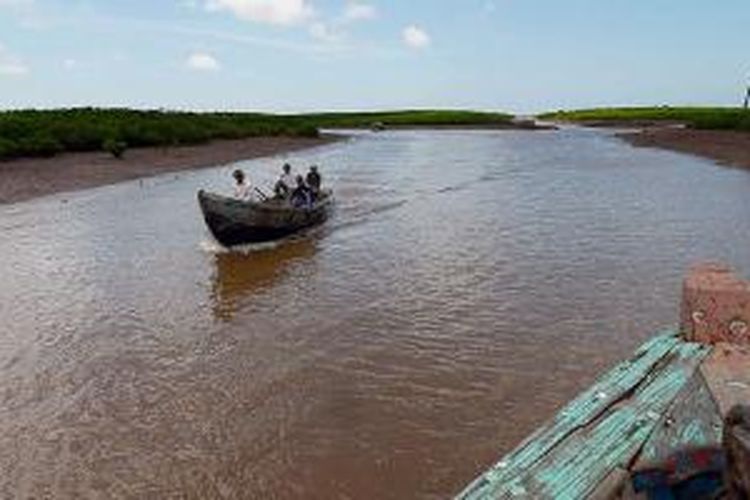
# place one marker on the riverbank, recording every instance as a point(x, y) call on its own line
point(720, 134)
point(700, 118)
point(28, 178)
point(728, 147)
point(47, 133)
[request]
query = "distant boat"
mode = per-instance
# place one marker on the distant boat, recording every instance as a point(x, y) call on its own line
point(235, 222)
point(377, 127)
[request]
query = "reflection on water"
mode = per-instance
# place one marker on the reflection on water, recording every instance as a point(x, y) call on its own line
point(468, 284)
point(242, 273)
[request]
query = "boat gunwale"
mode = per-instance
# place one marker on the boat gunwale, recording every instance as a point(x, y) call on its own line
point(265, 205)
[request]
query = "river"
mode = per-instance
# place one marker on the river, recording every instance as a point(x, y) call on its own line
point(469, 284)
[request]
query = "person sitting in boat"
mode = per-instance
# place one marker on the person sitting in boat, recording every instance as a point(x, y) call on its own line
point(313, 181)
point(285, 184)
point(242, 189)
point(302, 195)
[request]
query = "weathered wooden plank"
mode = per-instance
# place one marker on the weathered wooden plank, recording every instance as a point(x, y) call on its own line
point(737, 445)
point(611, 486)
point(727, 374)
point(570, 457)
point(589, 405)
point(693, 421)
point(575, 469)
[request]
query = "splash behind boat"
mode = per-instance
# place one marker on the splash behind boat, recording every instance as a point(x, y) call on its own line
point(236, 222)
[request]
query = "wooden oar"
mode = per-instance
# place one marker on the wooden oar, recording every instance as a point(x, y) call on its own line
point(262, 194)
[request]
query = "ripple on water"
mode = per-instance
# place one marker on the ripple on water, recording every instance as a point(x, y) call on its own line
point(466, 286)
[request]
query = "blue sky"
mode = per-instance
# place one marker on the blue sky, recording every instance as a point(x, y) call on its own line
point(301, 55)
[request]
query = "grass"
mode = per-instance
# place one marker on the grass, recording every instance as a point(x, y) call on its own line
point(29, 133)
point(406, 118)
point(695, 117)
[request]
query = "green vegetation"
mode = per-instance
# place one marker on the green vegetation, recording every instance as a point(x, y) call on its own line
point(695, 117)
point(46, 133)
point(115, 148)
point(405, 118)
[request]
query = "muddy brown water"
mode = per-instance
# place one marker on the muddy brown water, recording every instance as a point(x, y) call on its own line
point(468, 285)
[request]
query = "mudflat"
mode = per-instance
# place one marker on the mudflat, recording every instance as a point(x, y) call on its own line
point(728, 147)
point(28, 178)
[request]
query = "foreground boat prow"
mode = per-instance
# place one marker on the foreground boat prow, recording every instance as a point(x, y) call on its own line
point(672, 418)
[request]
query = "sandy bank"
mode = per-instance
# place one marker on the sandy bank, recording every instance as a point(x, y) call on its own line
point(724, 146)
point(28, 178)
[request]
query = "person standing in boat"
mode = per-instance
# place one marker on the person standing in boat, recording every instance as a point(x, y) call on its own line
point(242, 189)
point(301, 196)
point(313, 181)
point(285, 184)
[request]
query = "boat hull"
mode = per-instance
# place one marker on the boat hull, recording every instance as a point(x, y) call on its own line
point(236, 222)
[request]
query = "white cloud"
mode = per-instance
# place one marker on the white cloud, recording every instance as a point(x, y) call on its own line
point(321, 31)
point(28, 14)
point(280, 12)
point(189, 4)
point(415, 37)
point(356, 11)
point(10, 64)
point(202, 61)
point(336, 29)
point(13, 68)
point(15, 3)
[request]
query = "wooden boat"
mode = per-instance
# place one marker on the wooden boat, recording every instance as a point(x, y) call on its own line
point(236, 222)
point(673, 417)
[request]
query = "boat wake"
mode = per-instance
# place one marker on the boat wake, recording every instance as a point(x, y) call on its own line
point(211, 246)
point(361, 217)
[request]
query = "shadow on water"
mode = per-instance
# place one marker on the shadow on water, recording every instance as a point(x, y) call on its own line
point(243, 272)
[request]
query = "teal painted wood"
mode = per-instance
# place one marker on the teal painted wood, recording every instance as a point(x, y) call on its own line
point(576, 414)
point(574, 470)
point(657, 371)
point(693, 420)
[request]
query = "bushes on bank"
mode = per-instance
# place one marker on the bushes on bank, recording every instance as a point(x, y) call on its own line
point(115, 147)
point(405, 118)
point(45, 133)
point(699, 118)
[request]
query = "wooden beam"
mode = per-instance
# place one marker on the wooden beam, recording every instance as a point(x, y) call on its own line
point(613, 486)
point(737, 446)
point(576, 414)
point(600, 430)
point(727, 374)
point(693, 421)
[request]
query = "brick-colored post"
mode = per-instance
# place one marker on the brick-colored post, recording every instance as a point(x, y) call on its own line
point(715, 306)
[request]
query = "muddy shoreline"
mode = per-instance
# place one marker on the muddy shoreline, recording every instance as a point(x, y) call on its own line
point(28, 178)
point(727, 147)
